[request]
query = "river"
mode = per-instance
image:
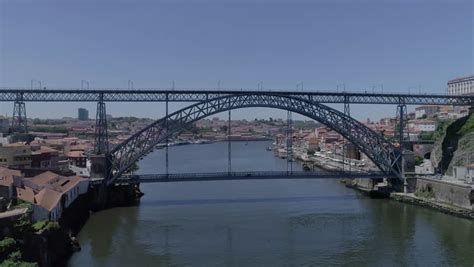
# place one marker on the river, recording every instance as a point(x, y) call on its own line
point(265, 223)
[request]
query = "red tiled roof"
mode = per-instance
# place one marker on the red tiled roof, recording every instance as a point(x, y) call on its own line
point(44, 178)
point(76, 154)
point(48, 198)
point(6, 176)
point(64, 184)
point(25, 194)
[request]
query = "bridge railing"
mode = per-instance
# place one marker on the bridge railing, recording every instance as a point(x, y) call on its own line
point(248, 175)
point(201, 94)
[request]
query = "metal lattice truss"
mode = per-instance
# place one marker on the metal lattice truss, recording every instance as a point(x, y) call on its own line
point(253, 175)
point(199, 95)
point(378, 149)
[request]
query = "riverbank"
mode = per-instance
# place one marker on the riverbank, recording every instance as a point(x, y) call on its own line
point(50, 243)
point(448, 197)
point(412, 199)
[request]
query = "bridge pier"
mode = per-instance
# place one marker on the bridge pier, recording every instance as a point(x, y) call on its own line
point(289, 142)
point(19, 119)
point(347, 112)
point(407, 166)
point(101, 134)
point(402, 124)
point(100, 169)
point(229, 144)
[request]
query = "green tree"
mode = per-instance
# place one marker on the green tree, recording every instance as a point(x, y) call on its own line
point(418, 160)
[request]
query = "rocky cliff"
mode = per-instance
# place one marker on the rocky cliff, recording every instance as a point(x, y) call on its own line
point(455, 147)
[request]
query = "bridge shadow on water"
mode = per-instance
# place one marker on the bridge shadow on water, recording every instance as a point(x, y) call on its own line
point(246, 200)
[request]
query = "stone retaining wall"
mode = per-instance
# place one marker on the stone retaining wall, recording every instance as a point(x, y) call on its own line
point(453, 194)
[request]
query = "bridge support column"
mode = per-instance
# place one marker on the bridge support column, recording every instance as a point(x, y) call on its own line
point(408, 166)
point(229, 144)
point(347, 112)
point(407, 160)
point(167, 137)
point(100, 169)
point(402, 124)
point(101, 135)
point(289, 143)
point(19, 120)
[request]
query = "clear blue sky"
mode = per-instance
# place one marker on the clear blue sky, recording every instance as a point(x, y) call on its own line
point(400, 44)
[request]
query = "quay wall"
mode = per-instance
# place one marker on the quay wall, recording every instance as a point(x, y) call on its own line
point(459, 195)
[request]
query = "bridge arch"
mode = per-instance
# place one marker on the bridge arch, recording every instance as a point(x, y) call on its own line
point(383, 153)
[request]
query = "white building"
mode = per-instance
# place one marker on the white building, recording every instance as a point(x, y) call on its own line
point(464, 173)
point(425, 168)
point(470, 173)
point(422, 125)
point(461, 86)
point(52, 194)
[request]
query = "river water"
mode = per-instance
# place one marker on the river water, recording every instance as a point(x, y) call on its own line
point(267, 222)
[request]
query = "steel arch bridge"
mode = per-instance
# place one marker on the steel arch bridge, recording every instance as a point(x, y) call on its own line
point(384, 154)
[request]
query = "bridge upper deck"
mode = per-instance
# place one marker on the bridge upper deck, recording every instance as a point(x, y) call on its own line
point(197, 95)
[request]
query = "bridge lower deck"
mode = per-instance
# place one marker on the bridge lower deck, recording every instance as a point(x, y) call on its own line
point(224, 176)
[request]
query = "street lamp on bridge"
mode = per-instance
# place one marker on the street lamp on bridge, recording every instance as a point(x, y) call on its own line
point(82, 84)
point(377, 86)
point(342, 85)
point(300, 84)
point(130, 85)
point(35, 80)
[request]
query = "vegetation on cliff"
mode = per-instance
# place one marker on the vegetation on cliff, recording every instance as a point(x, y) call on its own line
point(11, 247)
point(455, 144)
point(468, 126)
point(27, 243)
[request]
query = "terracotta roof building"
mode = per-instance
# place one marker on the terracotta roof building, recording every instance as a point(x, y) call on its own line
point(54, 193)
point(9, 179)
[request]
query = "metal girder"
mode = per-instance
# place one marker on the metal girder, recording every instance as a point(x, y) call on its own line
point(19, 123)
point(198, 95)
point(101, 134)
point(252, 175)
point(379, 150)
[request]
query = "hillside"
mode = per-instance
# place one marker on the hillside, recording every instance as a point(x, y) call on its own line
point(456, 147)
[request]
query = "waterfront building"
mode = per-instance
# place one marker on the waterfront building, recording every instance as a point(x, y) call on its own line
point(44, 158)
point(48, 205)
point(16, 155)
point(352, 151)
point(52, 193)
point(313, 143)
point(461, 86)
point(77, 158)
point(332, 137)
point(4, 123)
point(422, 126)
point(388, 121)
point(9, 179)
point(82, 114)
